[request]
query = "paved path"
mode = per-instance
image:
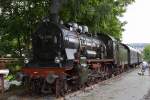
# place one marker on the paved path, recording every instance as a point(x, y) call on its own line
point(130, 86)
point(127, 86)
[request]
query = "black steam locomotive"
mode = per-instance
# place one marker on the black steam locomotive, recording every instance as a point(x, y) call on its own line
point(67, 57)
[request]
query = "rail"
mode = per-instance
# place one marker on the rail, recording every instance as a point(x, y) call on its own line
point(10, 59)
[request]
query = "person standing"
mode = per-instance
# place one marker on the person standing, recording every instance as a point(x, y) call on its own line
point(144, 66)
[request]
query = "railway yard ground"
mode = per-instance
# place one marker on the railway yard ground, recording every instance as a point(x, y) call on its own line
point(127, 86)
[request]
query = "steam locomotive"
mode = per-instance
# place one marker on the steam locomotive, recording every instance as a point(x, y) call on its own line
point(67, 57)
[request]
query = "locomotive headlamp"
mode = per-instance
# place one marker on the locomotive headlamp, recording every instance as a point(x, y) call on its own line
point(57, 60)
point(51, 78)
point(26, 60)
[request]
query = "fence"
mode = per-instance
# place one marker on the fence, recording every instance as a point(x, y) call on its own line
point(3, 70)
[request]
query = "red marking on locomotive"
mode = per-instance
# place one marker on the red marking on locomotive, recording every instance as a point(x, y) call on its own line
point(43, 72)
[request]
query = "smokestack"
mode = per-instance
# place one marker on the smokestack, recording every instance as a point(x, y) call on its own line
point(54, 10)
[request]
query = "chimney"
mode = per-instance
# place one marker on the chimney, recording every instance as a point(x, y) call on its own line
point(54, 10)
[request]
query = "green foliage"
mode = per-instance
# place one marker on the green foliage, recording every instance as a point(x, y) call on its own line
point(13, 67)
point(8, 45)
point(10, 77)
point(147, 53)
point(100, 15)
point(19, 18)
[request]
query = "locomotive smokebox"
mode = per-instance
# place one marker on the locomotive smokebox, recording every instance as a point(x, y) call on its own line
point(54, 10)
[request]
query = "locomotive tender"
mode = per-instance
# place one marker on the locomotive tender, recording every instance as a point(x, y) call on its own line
point(66, 57)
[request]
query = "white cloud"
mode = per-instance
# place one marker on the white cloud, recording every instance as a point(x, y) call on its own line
point(137, 30)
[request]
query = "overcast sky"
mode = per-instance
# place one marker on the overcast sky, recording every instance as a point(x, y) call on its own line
point(137, 30)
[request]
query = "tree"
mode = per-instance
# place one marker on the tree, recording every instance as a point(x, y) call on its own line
point(147, 53)
point(100, 15)
point(19, 18)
